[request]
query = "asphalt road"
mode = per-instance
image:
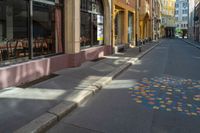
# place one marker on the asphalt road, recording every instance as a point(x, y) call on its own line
point(159, 94)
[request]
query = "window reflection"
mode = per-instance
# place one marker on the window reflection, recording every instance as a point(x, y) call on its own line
point(43, 29)
point(13, 30)
point(91, 23)
point(15, 25)
point(46, 29)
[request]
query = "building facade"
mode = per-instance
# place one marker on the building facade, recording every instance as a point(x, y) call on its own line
point(145, 19)
point(191, 19)
point(197, 22)
point(168, 18)
point(156, 13)
point(181, 16)
point(123, 24)
point(39, 37)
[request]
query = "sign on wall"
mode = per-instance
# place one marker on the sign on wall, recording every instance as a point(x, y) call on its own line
point(100, 28)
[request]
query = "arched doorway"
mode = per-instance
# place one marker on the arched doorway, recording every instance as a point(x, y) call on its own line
point(146, 26)
point(118, 27)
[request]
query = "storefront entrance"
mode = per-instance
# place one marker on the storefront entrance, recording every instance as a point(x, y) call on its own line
point(130, 27)
point(118, 28)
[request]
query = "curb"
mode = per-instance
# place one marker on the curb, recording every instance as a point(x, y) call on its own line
point(55, 114)
point(147, 51)
point(39, 124)
point(196, 46)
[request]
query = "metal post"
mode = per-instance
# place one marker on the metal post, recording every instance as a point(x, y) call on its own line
point(136, 39)
point(140, 45)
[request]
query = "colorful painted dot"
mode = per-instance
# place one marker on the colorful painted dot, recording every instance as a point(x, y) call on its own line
point(156, 107)
point(139, 101)
point(169, 93)
point(168, 109)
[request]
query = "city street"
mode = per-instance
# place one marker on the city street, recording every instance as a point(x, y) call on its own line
point(100, 66)
point(158, 94)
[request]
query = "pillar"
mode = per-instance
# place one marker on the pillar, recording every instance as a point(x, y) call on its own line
point(142, 29)
point(107, 21)
point(145, 28)
point(125, 27)
point(113, 25)
point(72, 26)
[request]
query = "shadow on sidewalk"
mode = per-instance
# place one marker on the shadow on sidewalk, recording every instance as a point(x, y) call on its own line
point(21, 105)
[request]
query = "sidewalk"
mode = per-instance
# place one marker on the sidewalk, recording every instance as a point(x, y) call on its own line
point(50, 100)
point(192, 42)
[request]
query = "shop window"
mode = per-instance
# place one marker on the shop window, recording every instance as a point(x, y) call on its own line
point(17, 41)
point(91, 23)
point(13, 31)
point(130, 27)
point(46, 29)
point(85, 29)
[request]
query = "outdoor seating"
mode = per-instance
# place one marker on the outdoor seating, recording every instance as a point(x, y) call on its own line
point(13, 48)
point(42, 46)
point(21, 48)
point(17, 48)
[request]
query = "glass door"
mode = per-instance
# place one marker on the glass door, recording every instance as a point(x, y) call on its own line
point(130, 27)
point(118, 28)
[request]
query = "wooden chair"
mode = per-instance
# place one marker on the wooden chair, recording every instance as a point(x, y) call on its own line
point(11, 46)
point(21, 48)
point(38, 46)
point(3, 51)
point(50, 47)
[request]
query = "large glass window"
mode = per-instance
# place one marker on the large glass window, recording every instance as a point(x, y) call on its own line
point(130, 27)
point(91, 23)
point(13, 30)
point(46, 28)
point(18, 28)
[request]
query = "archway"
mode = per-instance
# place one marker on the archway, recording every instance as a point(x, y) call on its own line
point(146, 29)
point(118, 23)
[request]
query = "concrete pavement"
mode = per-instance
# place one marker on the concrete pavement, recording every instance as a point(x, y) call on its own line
point(50, 100)
point(192, 42)
point(158, 94)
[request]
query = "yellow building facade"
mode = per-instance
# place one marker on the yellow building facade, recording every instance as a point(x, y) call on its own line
point(156, 17)
point(145, 21)
point(123, 22)
point(168, 18)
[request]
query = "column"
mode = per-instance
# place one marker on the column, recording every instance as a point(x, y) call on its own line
point(113, 25)
point(125, 27)
point(108, 22)
point(72, 26)
point(142, 29)
point(137, 25)
point(145, 29)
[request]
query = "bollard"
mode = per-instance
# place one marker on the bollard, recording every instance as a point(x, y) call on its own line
point(140, 46)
